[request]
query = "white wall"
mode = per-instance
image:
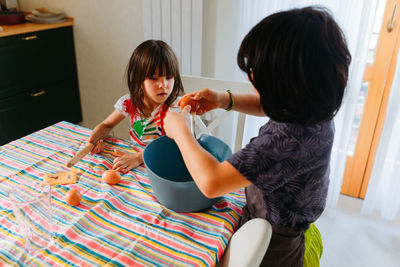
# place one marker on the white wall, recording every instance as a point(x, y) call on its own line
point(106, 33)
point(209, 38)
point(220, 47)
point(220, 24)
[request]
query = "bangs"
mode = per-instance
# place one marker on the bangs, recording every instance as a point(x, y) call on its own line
point(161, 62)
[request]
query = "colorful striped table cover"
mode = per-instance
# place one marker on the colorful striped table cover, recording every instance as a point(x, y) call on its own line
point(114, 225)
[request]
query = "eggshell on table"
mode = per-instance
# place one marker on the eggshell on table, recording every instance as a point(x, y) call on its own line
point(73, 197)
point(111, 177)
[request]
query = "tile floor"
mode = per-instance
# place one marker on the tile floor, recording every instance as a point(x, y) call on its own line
point(353, 239)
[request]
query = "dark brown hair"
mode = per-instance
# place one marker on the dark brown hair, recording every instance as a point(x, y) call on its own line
point(298, 61)
point(146, 59)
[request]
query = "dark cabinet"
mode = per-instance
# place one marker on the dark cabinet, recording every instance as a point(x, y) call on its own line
point(38, 82)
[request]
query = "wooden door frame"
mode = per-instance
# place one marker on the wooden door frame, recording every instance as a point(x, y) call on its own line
point(380, 77)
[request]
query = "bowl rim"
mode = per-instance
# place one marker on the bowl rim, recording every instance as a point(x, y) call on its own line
point(165, 136)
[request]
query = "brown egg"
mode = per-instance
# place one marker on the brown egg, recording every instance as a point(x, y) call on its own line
point(111, 177)
point(188, 100)
point(73, 197)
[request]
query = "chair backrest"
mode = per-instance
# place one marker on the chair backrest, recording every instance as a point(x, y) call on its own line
point(248, 244)
point(236, 124)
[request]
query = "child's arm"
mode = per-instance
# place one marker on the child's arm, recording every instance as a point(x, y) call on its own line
point(247, 103)
point(103, 129)
point(213, 178)
point(207, 99)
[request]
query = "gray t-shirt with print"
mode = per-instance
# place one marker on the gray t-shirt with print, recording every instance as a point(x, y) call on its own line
point(288, 165)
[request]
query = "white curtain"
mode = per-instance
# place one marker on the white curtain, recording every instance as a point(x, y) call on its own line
point(356, 20)
point(384, 185)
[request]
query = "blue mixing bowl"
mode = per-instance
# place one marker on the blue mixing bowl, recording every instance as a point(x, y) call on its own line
point(171, 181)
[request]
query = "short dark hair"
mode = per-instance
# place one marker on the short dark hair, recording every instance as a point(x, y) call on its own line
point(149, 57)
point(298, 61)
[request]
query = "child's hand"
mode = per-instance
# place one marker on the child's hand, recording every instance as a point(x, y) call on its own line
point(204, 100)
point(98, 148)
point(176, 123)
point(126, 162)
point(188, 100)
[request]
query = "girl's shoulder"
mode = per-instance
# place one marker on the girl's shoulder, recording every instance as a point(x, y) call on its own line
point(124, 98)
point(174, 106)
point(124, 105)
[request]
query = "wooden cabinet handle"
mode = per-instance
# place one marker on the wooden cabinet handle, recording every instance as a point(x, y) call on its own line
point(41, 92)
point(31, 37)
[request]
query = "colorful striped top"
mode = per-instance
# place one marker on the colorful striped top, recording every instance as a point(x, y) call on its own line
point(114, 225)
point(142, 130)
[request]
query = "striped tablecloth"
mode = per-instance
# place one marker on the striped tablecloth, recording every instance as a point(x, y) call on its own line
point(118, 225)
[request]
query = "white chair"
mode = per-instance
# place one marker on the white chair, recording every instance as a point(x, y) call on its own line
point(250, 242)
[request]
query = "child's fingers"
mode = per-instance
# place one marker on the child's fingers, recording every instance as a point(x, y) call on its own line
point(116, 165)
point(198, 107)
point(197, 96)
point(190, 95)
point(117, 168)
point(91, 140)
point(119, 152)
point(200, 94)
point(120, 166)
point(94, 150)
point(99, 147)
point(187, 109)
point(120, 161)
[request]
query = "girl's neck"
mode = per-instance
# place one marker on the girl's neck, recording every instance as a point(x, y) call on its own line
point(150, 107)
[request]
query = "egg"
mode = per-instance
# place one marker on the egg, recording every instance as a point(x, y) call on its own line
point(73, 197)
point(187, 100)
point(111, 177)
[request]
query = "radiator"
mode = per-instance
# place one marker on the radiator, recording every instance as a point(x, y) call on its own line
point(178, 23)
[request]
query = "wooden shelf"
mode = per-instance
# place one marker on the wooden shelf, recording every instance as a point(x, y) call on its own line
point(32, 27)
